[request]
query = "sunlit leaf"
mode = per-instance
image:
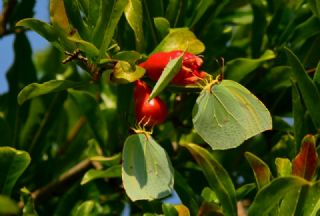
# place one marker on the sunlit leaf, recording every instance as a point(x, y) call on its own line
point(305, 163)
point(92, 174)
point(270, 196)
point(8, 206)
point(133, 13)
point(171, 69)
point(123, 72)
point(12, 164)
point(36, 89)
point(85, 46)
point(226, 114)
point(86, 208)
point(180, 39)
point(284, 167)
point(147, 172)
point(117, 10)
point(260, 169)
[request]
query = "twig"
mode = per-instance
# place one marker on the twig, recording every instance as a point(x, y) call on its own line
point(4, 16)
point(72, 135)
point(59, 185)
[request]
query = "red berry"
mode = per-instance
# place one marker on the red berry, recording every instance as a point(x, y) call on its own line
point(189, 72)
point(149, 113)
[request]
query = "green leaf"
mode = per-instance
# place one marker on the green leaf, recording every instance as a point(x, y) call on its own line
point(314, 5)
point(284, 167)
point(260, 169)
point(35, 89)
point(217, 178)
point(306, 30)
point(8, 206)
point(147, 172)
point(75, 18)
point(316, 77)
point(311, 203)
point(133, 13)
point(92, 174)
point(237, 69)
point(42, 28)
point(226, 114)
point(259, 25)
point(298, 110)
point(59, 18)
point(88, 48)
point(129, 56)
point(169, 209)
point(12, 164)
point(171, 69)
point(309, 91)
point(270, 196)
point(305, 163)
point(180, 39)
point(123, 72)
point(244, 190)
point(117, 10)
point(199, 11)
point(86, 208)
point(289, 204)
point(162, 25)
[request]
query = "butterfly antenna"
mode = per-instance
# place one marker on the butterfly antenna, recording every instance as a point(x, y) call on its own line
point(221, 77)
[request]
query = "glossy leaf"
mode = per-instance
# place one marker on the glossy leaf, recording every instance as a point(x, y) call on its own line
point(117, 10)
point(147, 172)
point(42, 28)
point(226, 114)
point(217, 178)
point(284, 167)
point(92, 174)
point(180, 39)
point(260, 169)
point(133, 13)
point(271, 195)
point(58, 16)
point(305, 163)
point(88, 48)
point(123, 72)
point(36, 89)
point(237, 69)
point(171, 69)
point(8, 206)
point(129, 56)
point(12, 164)
point(309, 91)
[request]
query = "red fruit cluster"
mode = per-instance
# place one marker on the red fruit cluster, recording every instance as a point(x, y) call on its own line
point(148, 113)
point(188, 74)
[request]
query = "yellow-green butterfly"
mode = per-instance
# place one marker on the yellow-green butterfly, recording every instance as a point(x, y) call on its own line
point(226, 114)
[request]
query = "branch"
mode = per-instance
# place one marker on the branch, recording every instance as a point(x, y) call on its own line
point(61, 184)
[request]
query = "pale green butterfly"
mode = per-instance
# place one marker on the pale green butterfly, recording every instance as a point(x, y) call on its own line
point(226, 114)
